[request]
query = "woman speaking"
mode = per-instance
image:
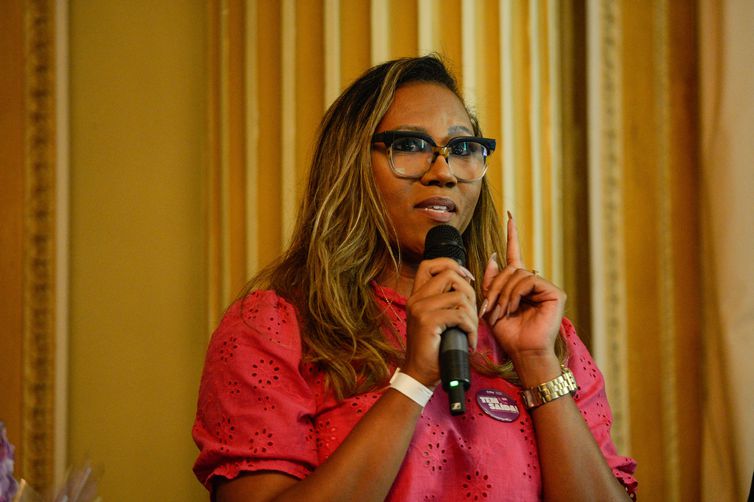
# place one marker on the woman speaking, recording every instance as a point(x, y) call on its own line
point(321, 381)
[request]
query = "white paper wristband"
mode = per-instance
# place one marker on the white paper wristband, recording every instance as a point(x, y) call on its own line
point(410, 387)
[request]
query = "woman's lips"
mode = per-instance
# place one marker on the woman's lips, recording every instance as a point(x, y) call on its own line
point(439, 209)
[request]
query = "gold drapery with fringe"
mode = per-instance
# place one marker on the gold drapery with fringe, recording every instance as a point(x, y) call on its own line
point(276, 66)
point(594, 108)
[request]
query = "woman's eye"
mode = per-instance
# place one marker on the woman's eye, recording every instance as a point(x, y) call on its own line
point(410, 145)
point(465, 148)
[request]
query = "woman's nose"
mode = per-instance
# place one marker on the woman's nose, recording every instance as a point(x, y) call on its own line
point(439, 172)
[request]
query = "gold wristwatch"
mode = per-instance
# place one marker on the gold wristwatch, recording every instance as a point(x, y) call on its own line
point(549, 391)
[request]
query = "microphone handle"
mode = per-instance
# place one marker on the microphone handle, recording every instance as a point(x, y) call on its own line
point(454, 368)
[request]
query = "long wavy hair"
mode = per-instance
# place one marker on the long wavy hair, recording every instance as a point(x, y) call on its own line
point(342, 238)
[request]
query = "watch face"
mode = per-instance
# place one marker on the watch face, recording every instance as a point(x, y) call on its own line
point(531, 398)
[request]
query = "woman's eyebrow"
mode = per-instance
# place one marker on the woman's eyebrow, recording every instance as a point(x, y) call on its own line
point(456, 129)
point(410, 128)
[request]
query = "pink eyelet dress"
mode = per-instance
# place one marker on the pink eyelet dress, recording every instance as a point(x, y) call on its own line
point(260, 408)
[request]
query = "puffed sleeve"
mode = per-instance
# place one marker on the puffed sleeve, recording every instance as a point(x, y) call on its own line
point(592, 402)
point(255, 408)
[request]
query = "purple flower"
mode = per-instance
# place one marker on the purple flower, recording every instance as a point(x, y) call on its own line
point(8, 485)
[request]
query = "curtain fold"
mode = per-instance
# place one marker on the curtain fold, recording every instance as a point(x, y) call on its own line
point(645, 240)
point(276, 66)
point(595, 109)
point(727, 117)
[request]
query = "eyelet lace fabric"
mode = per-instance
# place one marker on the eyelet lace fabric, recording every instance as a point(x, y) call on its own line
point(260, 408)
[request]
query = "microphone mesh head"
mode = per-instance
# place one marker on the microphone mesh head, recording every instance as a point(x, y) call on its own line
point(444, 241)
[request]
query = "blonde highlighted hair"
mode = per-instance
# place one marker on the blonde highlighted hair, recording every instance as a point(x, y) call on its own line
point(342, 238)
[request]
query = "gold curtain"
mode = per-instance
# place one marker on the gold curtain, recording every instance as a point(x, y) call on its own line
point(645, 252)
point(726, 151)
point(594, 109)
point(604, 183)
point(276, 66)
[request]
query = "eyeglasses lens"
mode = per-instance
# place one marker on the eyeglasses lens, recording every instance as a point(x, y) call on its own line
point(413, 156)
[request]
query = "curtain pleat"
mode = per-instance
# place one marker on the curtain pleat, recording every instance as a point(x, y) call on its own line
point(594, 109)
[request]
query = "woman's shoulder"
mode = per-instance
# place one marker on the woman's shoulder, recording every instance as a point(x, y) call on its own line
point(259, 305)
point(260, 317)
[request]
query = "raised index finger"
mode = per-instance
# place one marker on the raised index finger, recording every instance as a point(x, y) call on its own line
point(513, 249)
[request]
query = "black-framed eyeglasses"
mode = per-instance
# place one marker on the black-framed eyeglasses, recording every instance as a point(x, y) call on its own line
point(412, 154)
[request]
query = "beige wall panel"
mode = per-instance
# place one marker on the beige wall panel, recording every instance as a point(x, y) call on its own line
point(12, 126)
point(138, 294)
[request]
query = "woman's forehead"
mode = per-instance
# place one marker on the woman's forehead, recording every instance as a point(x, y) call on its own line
point(422, 106)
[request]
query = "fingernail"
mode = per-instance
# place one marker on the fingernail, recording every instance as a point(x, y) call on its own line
point(510, 216)
point(508, 311)
point(467, 273)
point(493, 259)
point(495, 315)
point(483, 308)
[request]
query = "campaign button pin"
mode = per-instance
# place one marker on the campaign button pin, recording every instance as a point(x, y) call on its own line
point(497, 404)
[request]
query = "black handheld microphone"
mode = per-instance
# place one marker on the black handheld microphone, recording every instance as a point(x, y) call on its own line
point(446, 241)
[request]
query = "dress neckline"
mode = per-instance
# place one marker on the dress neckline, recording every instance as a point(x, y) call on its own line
point(388, 295)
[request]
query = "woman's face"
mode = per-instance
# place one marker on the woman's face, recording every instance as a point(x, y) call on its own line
point(415, 206)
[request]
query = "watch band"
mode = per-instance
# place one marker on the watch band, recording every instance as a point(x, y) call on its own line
point(559, 386)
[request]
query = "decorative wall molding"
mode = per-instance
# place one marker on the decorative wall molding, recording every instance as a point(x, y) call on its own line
point(606, 210)
point(645, 244)
point(39, 344)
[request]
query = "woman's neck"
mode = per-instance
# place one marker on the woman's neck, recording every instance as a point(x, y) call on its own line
point(401, 282)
